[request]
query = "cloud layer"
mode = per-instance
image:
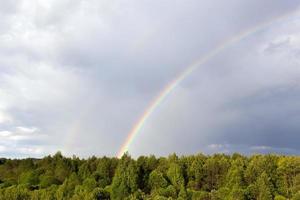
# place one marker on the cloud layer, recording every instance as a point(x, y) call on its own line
point(76, 75)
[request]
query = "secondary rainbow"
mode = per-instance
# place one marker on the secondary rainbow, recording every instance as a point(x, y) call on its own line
point(189, 69)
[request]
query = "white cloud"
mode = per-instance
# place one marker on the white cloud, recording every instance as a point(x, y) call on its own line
point(23, 141)
point(26, 130)
point(22, 151)
point(21, 133)
point(5, 134)
point(30, 150)
point(261, 148)
point(216, 146)
point(5, 118)
point(3, 149)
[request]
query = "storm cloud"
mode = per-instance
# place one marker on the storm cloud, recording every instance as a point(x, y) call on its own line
point(76, 76)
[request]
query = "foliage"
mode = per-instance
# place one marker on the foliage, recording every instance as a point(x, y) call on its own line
point(195, 177)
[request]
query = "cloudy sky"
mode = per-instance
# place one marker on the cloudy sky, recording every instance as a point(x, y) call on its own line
point(76, 75)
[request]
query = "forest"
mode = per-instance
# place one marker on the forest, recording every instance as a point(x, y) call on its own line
point(194, 177)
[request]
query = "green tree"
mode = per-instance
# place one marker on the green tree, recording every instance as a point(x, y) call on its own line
point(263, 187)
point(125, 181)
point(48, 180)
point(296, 196)
point(215, 169)
point(66, 190)
point(157, 180)
point(175, 175)
point(195, 172)
point(29, 178)
point(279, 197)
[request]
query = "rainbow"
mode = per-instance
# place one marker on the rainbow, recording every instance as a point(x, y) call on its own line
point(191, 68)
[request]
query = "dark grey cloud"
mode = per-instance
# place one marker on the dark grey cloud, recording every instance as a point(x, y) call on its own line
point(82, 72)
point(246, 100)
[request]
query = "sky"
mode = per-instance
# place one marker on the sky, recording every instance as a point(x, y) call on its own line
point(76, 76)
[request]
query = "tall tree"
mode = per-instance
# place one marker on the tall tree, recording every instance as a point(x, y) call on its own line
point(125, 181)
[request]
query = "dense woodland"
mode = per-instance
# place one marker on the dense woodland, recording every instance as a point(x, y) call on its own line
point(215, 177)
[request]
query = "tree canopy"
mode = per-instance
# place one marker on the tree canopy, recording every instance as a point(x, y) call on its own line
point(194, 177)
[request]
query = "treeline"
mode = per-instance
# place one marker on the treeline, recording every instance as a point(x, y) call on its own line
point(195, 177)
